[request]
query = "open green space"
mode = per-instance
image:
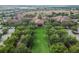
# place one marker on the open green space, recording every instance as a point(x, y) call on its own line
point(40, 41)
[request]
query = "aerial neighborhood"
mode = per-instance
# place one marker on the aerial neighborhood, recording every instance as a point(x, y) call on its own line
point(39, 29)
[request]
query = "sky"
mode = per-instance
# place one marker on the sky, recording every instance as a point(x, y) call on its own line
point(39, 2)
point(32, 6)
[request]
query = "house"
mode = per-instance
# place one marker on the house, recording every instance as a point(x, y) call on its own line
point(39, 22)
point(65, 18)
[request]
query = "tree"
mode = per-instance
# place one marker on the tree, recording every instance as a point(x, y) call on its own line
point(51, 31)
point(74, 28)
point(25, 38)
point(59, 27)
point(5, 30)
point(12, 41)
point(6, 49)
point(22, 48)
point(62, 34)
point(2, 49)
point(54, 38)
point(58, 48)
point(74, 48)
point(69, 41)
point(0, 35)
point(55, 23)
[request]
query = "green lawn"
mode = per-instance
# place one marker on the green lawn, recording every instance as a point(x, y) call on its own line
point(40, 41)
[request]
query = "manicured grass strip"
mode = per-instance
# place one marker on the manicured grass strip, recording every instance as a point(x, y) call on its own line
point(40, 42)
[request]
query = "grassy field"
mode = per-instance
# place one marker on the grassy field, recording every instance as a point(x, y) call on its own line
point(40, 42)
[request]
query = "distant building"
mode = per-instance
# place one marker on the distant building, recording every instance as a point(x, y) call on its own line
point(5, 19)
point(62, 18)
